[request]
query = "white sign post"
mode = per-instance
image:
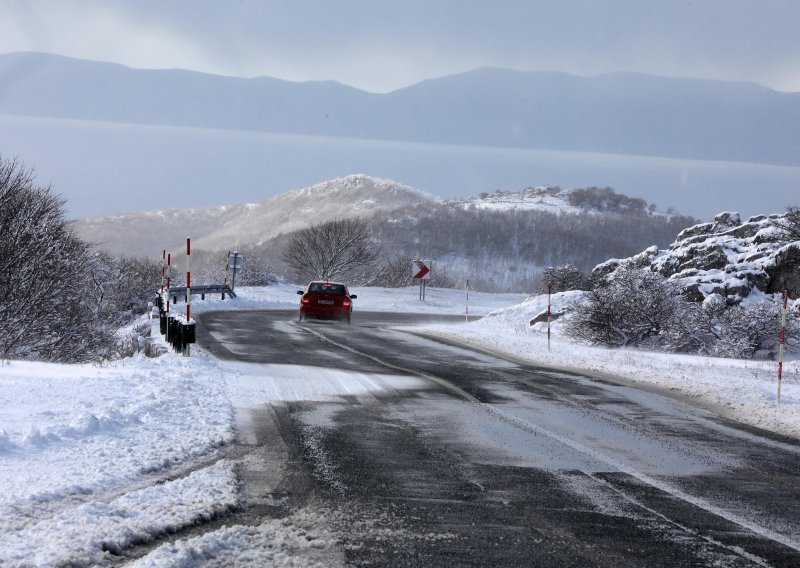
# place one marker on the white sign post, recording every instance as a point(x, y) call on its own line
point(235, 261)
point(421, 270)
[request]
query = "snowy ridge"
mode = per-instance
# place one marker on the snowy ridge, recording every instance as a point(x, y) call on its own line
point(540, 198)
point(356, 183)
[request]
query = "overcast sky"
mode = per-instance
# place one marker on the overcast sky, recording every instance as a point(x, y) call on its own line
point(380, 46)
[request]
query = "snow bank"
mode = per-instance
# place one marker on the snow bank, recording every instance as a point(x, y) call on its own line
point(370, 299)
point(744, 390)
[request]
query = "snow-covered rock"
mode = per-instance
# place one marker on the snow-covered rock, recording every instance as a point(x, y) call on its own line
point(726, 257)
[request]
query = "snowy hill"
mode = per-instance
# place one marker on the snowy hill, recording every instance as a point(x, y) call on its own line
point(232, 226)
point(356, 195)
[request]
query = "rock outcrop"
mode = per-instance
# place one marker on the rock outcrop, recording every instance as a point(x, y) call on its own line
point(727, 257)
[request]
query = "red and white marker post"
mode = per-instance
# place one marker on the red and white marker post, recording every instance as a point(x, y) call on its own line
point(782, 341)
point(227, 268)
point(163, 269)
point(549, 292)
point(188, 291)
point(466, 311)
point(169, 269)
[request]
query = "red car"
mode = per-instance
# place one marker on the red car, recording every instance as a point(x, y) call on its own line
point(326, 300)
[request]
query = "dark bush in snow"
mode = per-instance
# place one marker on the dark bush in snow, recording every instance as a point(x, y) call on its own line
point(45, 310)
point(565, 278)
point(635, 307)
point(632, 308)
point(790, 224)
point(60, 300)
point(741, 331)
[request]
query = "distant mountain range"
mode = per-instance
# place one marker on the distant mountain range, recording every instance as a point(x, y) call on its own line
point(620, 113)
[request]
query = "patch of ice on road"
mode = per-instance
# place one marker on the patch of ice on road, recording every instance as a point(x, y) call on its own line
point(254, 384)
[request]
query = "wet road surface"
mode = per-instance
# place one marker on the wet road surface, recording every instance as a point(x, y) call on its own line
point(462, 458)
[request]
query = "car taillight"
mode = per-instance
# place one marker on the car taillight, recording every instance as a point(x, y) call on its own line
point(305, 300)
point(346, 303)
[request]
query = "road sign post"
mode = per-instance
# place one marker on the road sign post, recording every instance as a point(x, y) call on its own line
point(466, 307)
point(421, 271)
point(549, 318)
point(236, 262)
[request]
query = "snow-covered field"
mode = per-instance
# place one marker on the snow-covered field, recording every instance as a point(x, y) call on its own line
point(95, 458)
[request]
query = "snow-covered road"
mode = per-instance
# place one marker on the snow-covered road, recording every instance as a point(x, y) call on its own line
point(150, 459)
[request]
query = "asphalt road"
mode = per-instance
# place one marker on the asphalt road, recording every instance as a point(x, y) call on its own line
point(464, 458)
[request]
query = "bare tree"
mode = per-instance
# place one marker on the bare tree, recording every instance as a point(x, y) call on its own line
point(338, 249)
point(394, 272)
point(790, 224)
point(566, 277)
point(44, 310)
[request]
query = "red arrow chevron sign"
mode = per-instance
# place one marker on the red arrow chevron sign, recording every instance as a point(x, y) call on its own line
point(420, 269)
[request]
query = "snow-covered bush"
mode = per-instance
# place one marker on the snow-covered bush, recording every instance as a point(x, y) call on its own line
point(635, 307)
point(631, 307)
point(566, 277)
point(121, 287)
point(256, 272)
point(741, 331)
point(208, 267)
point(790, 224)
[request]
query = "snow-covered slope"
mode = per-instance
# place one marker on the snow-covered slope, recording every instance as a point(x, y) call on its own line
point(355, 195)
point(218, 228)
point(541, 198)
point(725, 257)
point(147, 233)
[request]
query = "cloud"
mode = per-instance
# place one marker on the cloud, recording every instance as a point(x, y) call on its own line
point(381, 46)
point(99, 32)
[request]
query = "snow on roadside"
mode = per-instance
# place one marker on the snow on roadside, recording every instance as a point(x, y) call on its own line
point(77, 442)
point(81, 535)
point(283, 542)
point(370, 299)
point(82, 446)
point(744, 390)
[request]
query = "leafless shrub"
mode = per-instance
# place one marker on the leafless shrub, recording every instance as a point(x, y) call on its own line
point(44, 311)
point(741, 331)
point(566, 277)
point(790, 224)
point(635, 307)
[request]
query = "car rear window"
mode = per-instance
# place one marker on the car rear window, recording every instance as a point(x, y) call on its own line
point(325, 287)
